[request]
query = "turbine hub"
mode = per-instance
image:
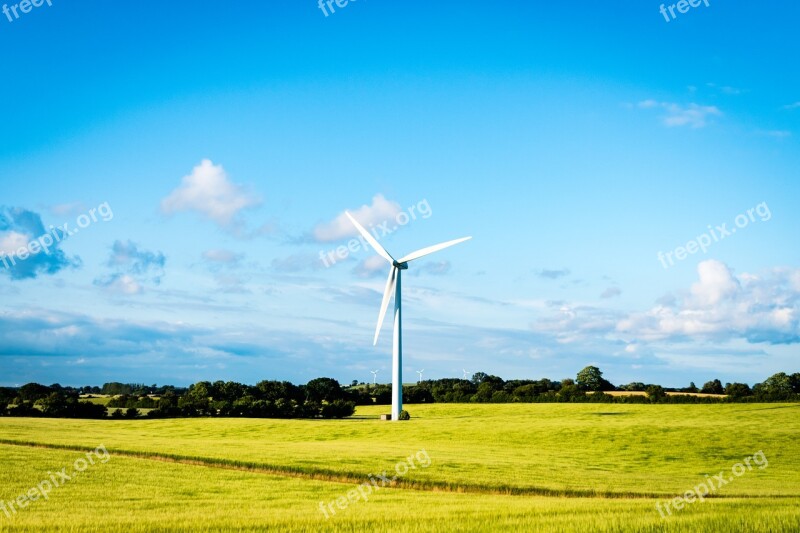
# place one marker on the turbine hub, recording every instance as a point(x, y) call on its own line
point(401, 266)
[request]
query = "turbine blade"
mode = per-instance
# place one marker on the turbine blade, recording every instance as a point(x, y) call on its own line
point(387, 295)
point(430, 249)
point(370, 239)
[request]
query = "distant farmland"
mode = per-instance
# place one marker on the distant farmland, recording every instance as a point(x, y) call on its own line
point(643, 393)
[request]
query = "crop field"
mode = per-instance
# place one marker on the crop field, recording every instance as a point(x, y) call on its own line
point(506, 467)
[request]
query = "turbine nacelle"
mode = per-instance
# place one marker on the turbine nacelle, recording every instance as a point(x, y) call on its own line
point(401, 266)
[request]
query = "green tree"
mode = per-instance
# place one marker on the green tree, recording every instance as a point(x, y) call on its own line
point(197, 400)
point(338, 409)
point(794, 381)
point(737, 390)
point(54, 405)
point(713, 387)
point(115, 388)
point(33, 391)
point(324, 390)
point(778, 385)
point(656, 393)
point(275, 390)
point(635, 386)
point(570, 393)
point(478, 377)
point(484, 394)
point(590, 379)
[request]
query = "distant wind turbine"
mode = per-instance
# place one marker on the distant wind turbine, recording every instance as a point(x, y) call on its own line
point(466, 375)
point(420, 375)
point(374, 376)
point(398, 265)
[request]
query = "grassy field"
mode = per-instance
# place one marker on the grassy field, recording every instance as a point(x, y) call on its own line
point(535, 467)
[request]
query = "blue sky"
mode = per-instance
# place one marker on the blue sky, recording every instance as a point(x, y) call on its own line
point(220, 146)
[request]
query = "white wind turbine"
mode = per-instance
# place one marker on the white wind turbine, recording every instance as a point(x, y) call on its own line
point(397, 266)
point(420, 375)
point(466, 374)
point(374, 376)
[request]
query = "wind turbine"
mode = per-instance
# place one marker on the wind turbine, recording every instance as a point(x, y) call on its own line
point(420, 375)
point(374, 376)
point(466, 375)
point(397, 266)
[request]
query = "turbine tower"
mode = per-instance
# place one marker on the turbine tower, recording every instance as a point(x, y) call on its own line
point(374, 376)
point(397, 266)
point(420, 375)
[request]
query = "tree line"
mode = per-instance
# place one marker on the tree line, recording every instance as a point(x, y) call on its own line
point(327, 398)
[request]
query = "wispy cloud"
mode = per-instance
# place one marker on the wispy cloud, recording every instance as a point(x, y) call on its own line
point(553, 274)
point(727, 89)
point(298, 262)
point(221, 256)
point(795, 105)
point(72, 208)
point(341, 228)
point(436, 268)
point(132, 268)
point(372, 266)
point(611, 292)
point(775, 134)
point(692, 115)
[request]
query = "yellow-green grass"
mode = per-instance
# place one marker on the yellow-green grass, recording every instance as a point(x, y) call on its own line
point(540, 467)
point(650, 449)
point(99, 400)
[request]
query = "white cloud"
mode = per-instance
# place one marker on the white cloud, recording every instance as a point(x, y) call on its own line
point(716, 284)
point(73, 208)
point(11, 241)
point(553, 273)
point(340, 228)
point(209, 192)
point(298, 262)
point(122, 284)
point(222, 256)
point(795, 105)
point(726, 89)
point(720, 307)
point(573, 323)
point(132, 266)
point(693, 115)
point(723, 306)
point(436, 268)
point(371, 266)
point(777, 134)
point(611, 292)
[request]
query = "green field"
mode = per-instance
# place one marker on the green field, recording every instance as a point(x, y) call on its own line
point(512, 467)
